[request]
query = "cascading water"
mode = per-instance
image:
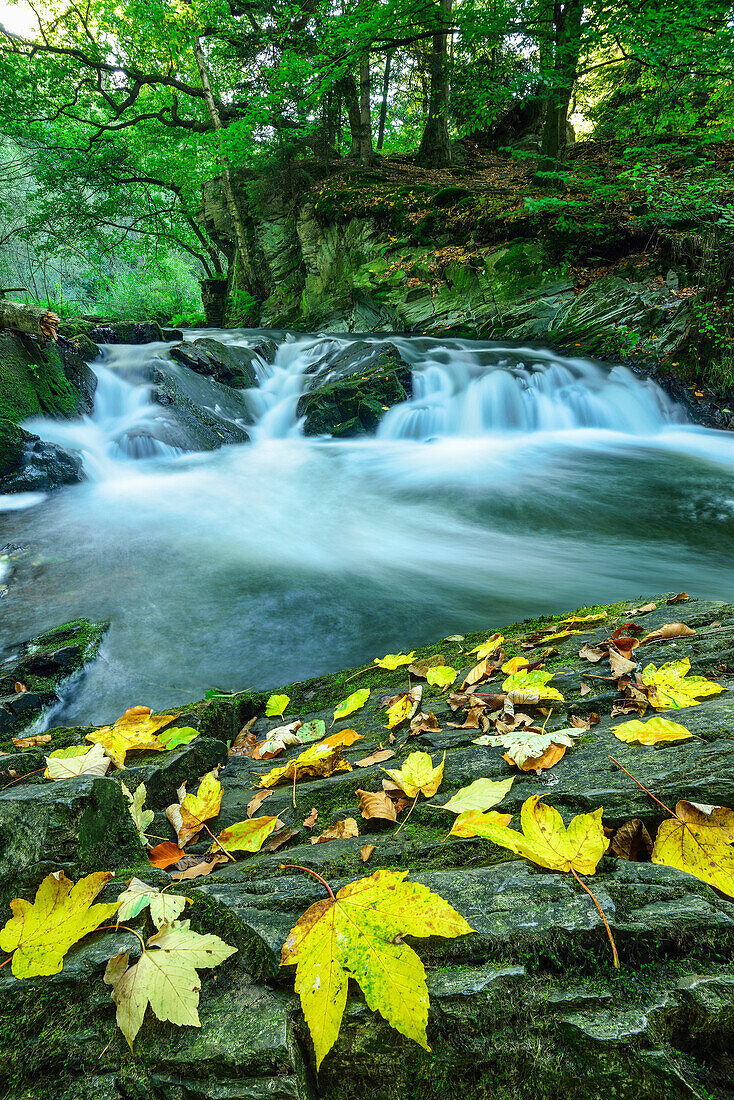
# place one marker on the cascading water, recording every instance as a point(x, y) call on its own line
point(512, 482)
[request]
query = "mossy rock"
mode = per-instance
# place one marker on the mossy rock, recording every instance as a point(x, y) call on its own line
point(355, 404)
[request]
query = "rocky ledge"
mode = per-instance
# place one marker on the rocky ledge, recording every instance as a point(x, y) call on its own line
point(529, 1005)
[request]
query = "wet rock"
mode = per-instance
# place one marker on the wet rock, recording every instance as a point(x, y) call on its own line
point(172, 334)
point(231, 366)
point(197, 413)
point(126, 332)
point(30, 465)
point(349, 394)
point(38, 381)
point(43, 665)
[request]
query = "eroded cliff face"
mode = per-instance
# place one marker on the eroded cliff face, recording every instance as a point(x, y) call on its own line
point(337, 272)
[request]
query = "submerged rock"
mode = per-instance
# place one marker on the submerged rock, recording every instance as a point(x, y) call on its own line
point(349, 394)
point(28, 464)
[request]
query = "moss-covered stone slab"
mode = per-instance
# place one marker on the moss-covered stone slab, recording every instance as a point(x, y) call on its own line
point(352, 394)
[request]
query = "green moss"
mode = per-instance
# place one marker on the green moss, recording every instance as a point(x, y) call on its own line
point(32, 381)
point(107, 835)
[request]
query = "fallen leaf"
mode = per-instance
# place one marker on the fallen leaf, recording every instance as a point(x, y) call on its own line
point(521, 747)
point(244, 743)
point(279, 838)
point(256, 801)
point(77, 760)
point(644, 610)
point(276, 706)
point(377, 757)
point(246, 836)
point(472, 720)
point(464, 824)
point(669, 630)
point(366, 851)
point(353, 702)
point(592, 653)
point(424, 723)
point(655, 730)
point(176, 736)
point(402, 707)
point(632, 841)
point(316, 760)
point(672, 687)
point(680, 598)
point(40, 933)
point(480, 795)
point(376, 804)
point(141, 818)
point(345, 738)
point(515, 664)
point(165, 854)
point(491, 645)
point(340, 830)
point(197, 870)
point(441, 676)
point(596, 618)
point(277, 740)
point(480, 672)
point(545, 840)
point(717, 817)
point(619, 665)
point(29, 742)
point(358, 934)
point(134, 732)
point(528, 687)
point(137, 895)
point(192, 810)
point(579, 723)
point(538, 764)
point(420, 668)
point(394, 660)
point(418, 775)
point(310, 821)
point(164, 977)
point(312, 731)
point(585, 688)
point(697, 844)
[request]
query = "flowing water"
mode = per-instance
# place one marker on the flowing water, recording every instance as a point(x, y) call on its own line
point(515, 482)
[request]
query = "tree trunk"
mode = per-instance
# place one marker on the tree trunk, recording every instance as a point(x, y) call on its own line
point(560, 81)
point(365, 110)
point(383, 105)
point(34, 320)
point(253, 284)
point(435, 147)
point(351, 102)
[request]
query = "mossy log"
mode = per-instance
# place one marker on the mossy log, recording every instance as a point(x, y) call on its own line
point(34, 320)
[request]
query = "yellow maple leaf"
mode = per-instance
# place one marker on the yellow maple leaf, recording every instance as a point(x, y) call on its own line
point(672, 687)
point(464, 824)
point(192, 810)
point(395, 660)
point(320, 759)
point(401, 710)
point(358, 934)
point(573, 619)
point(530, 687)
point(441, 676)
point(134, 732)
point(41, 932)
point(418, 775)
point(164, 977)
point(353, 702)
point(652, 732)
point(479, 795)
point(698, 840)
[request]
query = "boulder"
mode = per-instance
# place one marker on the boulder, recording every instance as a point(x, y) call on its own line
point(226, 364)
point(42, 381)
point(197, 413)
point(30, 465)
point(126, 332)
point(349, 394)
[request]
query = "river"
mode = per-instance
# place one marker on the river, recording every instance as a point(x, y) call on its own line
point(515, 482)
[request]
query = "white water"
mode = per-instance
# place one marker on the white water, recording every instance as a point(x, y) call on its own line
point(514, 482)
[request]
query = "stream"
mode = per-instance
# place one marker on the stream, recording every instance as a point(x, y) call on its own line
point(514, 482)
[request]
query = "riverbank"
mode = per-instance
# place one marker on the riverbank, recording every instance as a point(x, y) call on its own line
point(529, 1004)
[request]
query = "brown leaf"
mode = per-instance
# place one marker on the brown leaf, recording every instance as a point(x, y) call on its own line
point(471, 722)
point(29, 742)
point(165, 855)
point(632, 841)
point(592, 653)
point(256, 801)
point(277, 839)
point(594, 718)
point(579, 723)
point(546, 760)
point(375, 758)
point(619, 665)
point(420, 668)
point(19, 688)
point(585, 688)
point(644, 610)
point(424, 723)
point(310, 821)
point(340, 830)
point(366, 851)
point(680, 598)
point(199, 869)
point(625, 644)
point(669, 630)
point(376, 804)
point(245, 741)
point(479, 673)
